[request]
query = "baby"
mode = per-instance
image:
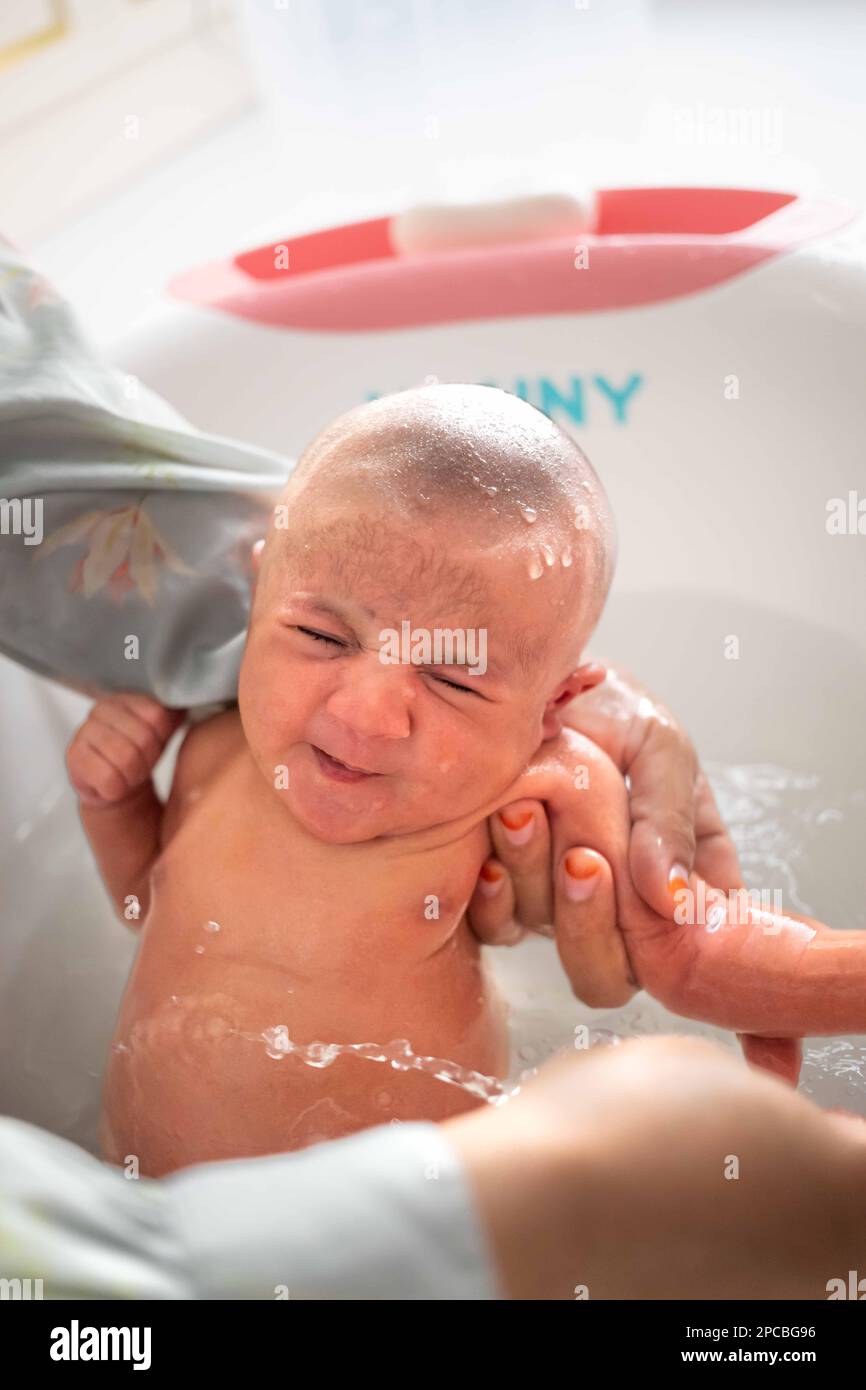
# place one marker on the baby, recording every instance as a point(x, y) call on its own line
point(436, 565)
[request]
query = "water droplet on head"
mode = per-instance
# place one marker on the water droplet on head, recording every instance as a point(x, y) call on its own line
point(536, 569)
point(199, 950)
point(528, 513)
point(566, 558)
point(211, 926)
point(547, 552)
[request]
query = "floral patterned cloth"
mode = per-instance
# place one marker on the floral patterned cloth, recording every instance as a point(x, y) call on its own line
point(125, 534)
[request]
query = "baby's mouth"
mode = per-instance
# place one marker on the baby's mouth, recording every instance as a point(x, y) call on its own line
point(338, 771)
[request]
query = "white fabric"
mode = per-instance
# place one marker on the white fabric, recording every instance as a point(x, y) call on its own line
point(385, 1214)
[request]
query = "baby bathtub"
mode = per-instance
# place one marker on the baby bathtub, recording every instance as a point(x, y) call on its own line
point(705, 346)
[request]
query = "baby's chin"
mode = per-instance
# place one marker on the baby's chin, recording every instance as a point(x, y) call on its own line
point(335, 826)
point(344, 815)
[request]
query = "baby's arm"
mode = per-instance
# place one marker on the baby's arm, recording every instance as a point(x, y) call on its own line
point(110, 761)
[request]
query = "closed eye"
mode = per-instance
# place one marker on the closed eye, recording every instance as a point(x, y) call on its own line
point(331, 641)
point(466, 689)
point(321, 636)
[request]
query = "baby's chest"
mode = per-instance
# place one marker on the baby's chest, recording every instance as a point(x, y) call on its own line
point(292, 907)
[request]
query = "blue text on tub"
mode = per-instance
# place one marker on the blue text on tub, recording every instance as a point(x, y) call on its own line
point(581, 400)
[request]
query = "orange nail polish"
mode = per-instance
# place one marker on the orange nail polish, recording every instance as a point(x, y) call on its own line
point(491, 873)
point(581, 875)
point(678, 879)
point(579, 866)
point(515, 822)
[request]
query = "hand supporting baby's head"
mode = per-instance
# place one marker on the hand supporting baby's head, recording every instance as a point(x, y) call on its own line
point(437, 563)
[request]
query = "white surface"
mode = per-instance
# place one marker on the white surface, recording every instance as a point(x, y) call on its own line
point(115, 87)
point(737, 93)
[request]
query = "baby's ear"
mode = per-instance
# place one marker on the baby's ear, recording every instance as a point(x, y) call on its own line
point(582, 678)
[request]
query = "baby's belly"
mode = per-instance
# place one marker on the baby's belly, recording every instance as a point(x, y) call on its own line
point(211, 1058)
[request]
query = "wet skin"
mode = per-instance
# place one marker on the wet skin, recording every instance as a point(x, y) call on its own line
point(341, 897)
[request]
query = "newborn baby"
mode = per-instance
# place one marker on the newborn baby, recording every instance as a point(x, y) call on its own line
point(435, 567)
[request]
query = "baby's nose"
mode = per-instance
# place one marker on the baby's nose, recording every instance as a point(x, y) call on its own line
point(375, 703)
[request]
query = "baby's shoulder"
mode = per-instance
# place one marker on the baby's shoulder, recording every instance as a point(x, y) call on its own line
point(206, 748)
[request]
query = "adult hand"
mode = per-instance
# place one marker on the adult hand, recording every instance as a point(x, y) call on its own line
point(675, 823)
point(676, 827)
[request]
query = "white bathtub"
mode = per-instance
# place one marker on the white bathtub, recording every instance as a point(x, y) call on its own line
point(721, 506)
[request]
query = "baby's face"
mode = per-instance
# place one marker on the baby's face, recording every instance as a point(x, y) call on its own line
point(365, 733)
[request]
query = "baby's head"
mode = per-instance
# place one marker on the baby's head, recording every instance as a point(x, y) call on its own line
point(437, 562)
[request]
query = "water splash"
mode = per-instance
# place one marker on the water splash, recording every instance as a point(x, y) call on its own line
point(797, 832)
point(397, 1054)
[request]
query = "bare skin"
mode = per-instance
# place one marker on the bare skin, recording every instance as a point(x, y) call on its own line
point(323, 927)
point(288, 895)
point(330, 940)
point(663, 1169)
point(362, 964)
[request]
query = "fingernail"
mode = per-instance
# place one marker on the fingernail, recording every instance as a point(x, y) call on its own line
point(678, 879)
point(518, 826)
point(581, 875)
point(490, 879)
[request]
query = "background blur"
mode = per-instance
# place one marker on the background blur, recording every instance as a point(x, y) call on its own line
point(139, 137)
